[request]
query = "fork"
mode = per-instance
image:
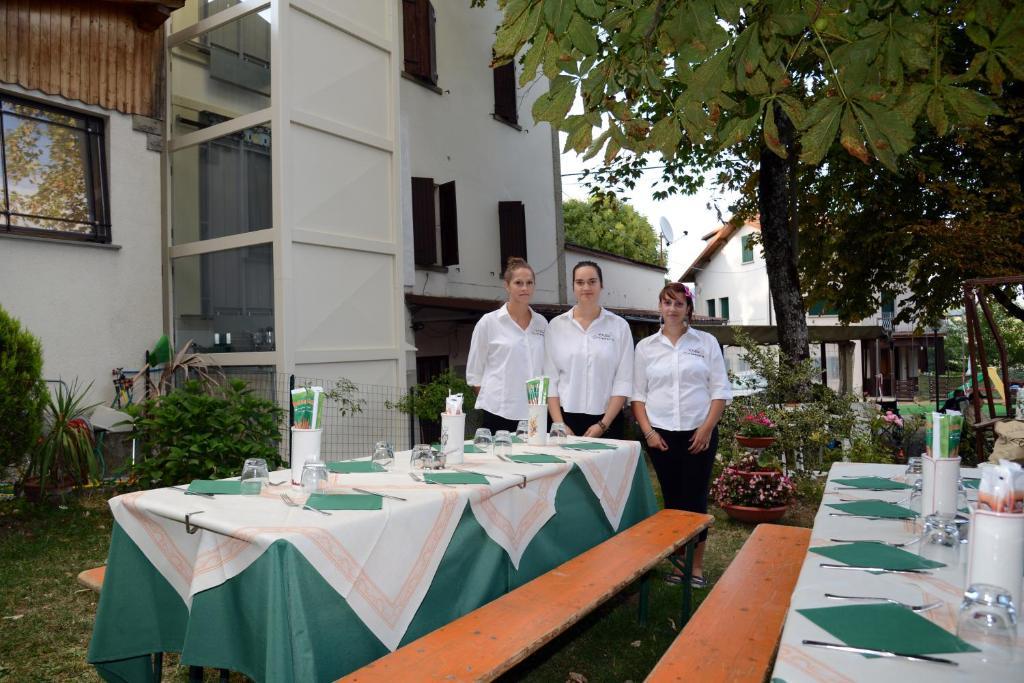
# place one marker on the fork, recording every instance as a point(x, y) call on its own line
point(871, 540)
point(291, 503)
point(504, 458)
point(421, 480)
point(913, 608)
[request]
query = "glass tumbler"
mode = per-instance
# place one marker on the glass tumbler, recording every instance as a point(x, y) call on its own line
point(421, 456)
point(988, 621)
point(558, 434)
point(383, 454)
point(254, 476)
point(940, 540)
point(523, 430)
point(502, 443)
point(314, 477)
point(483, 440)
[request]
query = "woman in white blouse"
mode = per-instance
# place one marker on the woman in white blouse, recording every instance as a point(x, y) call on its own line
point(589, 360)
point(680, 388)
point(507, 349)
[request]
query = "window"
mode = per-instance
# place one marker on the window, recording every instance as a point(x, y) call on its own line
point(419, 42)
point(723, 305)
point(239, 51)
point(711, 308)
point(434, 220)
point(54, 172)
point(748, 248)
point(505, 93)
point(821, 308)
point(512, 229)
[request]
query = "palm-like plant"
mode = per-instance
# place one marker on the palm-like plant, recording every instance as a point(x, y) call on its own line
point(66, 451)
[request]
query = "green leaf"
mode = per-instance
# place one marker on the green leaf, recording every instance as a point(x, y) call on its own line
point(937, 114)
point(737, 129)
point(513, 31)
point(978, 35)
point(555, 103)
point(665, 136)
point(771, 132)
point(612, 150)
point(597, 144)
point(850, 137)
point(823, 122)
point(584, 36)
point(969, 106)
point(558, 13)
point(912, 101)
point(533, 56)
point(592, 9)
point(580, 133)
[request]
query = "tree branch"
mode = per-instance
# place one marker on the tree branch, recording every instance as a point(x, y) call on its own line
point(1007, 302)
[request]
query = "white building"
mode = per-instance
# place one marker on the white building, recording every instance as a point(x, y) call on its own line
point(731, 283)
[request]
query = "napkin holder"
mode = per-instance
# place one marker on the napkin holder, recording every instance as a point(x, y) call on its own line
point(305, 447)
point(453, 437)
point(939, 485)
point(537, 421)
point(996, 551)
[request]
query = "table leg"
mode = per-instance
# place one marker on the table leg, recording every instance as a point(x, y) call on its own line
point(687, 569)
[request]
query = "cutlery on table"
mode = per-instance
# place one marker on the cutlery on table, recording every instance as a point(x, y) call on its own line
point(843, 514)
point(881, 570)
point(291, 503)
point(891, 544)
point(420, 479)
point(913, 608)
point(278, 483)
point(482, 474)
point(516, 462)
point(858, 488)
point(880, 653)
point(374, 493)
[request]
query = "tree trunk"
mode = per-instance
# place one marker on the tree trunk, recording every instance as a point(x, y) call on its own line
point(778, 233)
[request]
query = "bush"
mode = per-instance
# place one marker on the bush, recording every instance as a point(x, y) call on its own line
point(65, 454)
point(426, 401)
point(23, 393)
point(204, 432)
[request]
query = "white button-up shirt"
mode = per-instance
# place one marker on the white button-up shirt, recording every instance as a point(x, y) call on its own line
point(587, 367)
point(678, 382)
point(502, 356)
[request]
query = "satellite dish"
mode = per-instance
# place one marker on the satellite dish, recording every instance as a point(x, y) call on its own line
point(666, 230)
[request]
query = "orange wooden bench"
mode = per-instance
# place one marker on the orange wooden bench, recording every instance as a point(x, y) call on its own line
point(93, 578)
point(490, 640)
point(734, 634)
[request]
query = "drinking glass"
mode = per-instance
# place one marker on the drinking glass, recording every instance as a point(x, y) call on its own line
point(254, 476)
point(483, 440)
point(940, 540)
point(988, 621)
point(314, 477)
point(502, 443)
point(523, 430)
point(383, 454)
point(914, 466)
point(421, 455)
point(558, 433)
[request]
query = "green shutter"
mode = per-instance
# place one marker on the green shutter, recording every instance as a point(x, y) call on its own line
point(724, 305)
point(748, 249)
point(711, 308)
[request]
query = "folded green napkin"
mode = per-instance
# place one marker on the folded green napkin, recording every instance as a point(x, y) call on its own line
point(354, 467)
point(516, 439)
point(971, 482)
point(874, 508)
point(471, 448)
point(872, 483)
point(215, 486)
point(589, 446)
point(862, 554)
point(535, 457)
point(346, 501)
point(886, 627)
point(455, 477)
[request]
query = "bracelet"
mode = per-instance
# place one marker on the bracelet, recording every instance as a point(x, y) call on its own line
point(603, 426)
point(648, 434)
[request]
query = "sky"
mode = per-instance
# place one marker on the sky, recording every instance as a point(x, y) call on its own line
point(687, 214)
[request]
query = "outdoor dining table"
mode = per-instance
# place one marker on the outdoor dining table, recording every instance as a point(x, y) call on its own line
point(279, 592)
point(797, 663)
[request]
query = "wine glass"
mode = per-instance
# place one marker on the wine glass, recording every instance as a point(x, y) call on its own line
point(483, 440)
point(523, 430)
point(254, 476)
point(558, 434)
point(502, 443)
point(314, 477)
point(383, 454)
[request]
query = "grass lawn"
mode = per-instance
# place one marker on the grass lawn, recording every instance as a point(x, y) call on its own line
point(46, 617)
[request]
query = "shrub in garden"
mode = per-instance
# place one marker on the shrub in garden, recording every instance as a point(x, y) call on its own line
point(204, 432)
point(749, 483)
point(22, 391)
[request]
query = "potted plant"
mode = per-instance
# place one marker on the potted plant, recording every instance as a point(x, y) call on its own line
point(65, 455)
point(755, 430)
point(751, 492)
point(426, 402)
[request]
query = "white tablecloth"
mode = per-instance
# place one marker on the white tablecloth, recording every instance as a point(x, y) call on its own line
point(801, 663)
point(381, 562)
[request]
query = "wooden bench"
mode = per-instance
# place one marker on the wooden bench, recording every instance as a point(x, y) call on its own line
point(93, 578)
point(734, 634)
point(490, 640)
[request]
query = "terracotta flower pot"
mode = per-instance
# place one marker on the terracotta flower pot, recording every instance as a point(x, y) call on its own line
point(752, 515)
point(755, 441)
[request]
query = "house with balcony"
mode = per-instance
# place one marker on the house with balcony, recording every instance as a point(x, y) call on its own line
point(872, 356)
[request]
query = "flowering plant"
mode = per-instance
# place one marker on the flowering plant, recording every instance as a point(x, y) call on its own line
point(746, 483)
point(755, 424)
point(892, 418)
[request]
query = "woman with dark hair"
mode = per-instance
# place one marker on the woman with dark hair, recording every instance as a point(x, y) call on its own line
point(506, 350)
point(589, 360)
point(680, 388)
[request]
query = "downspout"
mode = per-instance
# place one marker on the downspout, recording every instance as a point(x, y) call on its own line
point(556, 166)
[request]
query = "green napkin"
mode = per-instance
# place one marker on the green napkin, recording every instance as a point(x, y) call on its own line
point(535, 457)
point(215, 486)
point(875, 508)
point(334, 501)
point(589, 446)
point(516, 439)
point(862, 554)
point(354, 467)
point(471, 448)
point(455, 477)
point(885, 627)
point(971, 482)
point(872, 483)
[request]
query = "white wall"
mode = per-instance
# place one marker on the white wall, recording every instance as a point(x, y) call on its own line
point(452, 136)
point(745, 284)
point(94, 308)
point(626, 285)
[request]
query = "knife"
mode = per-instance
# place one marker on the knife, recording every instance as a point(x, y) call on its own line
point(880, 653)
point(826, 565)
point(374, 493)
point(841, 514)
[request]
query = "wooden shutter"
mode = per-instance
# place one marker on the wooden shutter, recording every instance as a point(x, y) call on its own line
point(505, 92)
point(512, 225)
point(449, 224)
point(423, 239)
point(430, 42)
point(418, 39)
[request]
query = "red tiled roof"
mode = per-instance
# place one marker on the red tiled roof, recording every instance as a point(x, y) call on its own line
point(721, 236)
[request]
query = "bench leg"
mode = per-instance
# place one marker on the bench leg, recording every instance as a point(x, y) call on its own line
point(687, 569)
point(158, 666)
point(195, 674)
point(645, 592)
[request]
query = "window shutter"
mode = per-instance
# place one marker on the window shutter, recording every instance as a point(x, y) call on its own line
point(512, 226)
point(505, 92)
point(449, 224)
point(430, 42)
point(423, 239)
point(410, 36)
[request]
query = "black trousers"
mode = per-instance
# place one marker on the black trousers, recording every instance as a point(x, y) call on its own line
point(684, 476)
point(496, 422)
point(581, 422)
